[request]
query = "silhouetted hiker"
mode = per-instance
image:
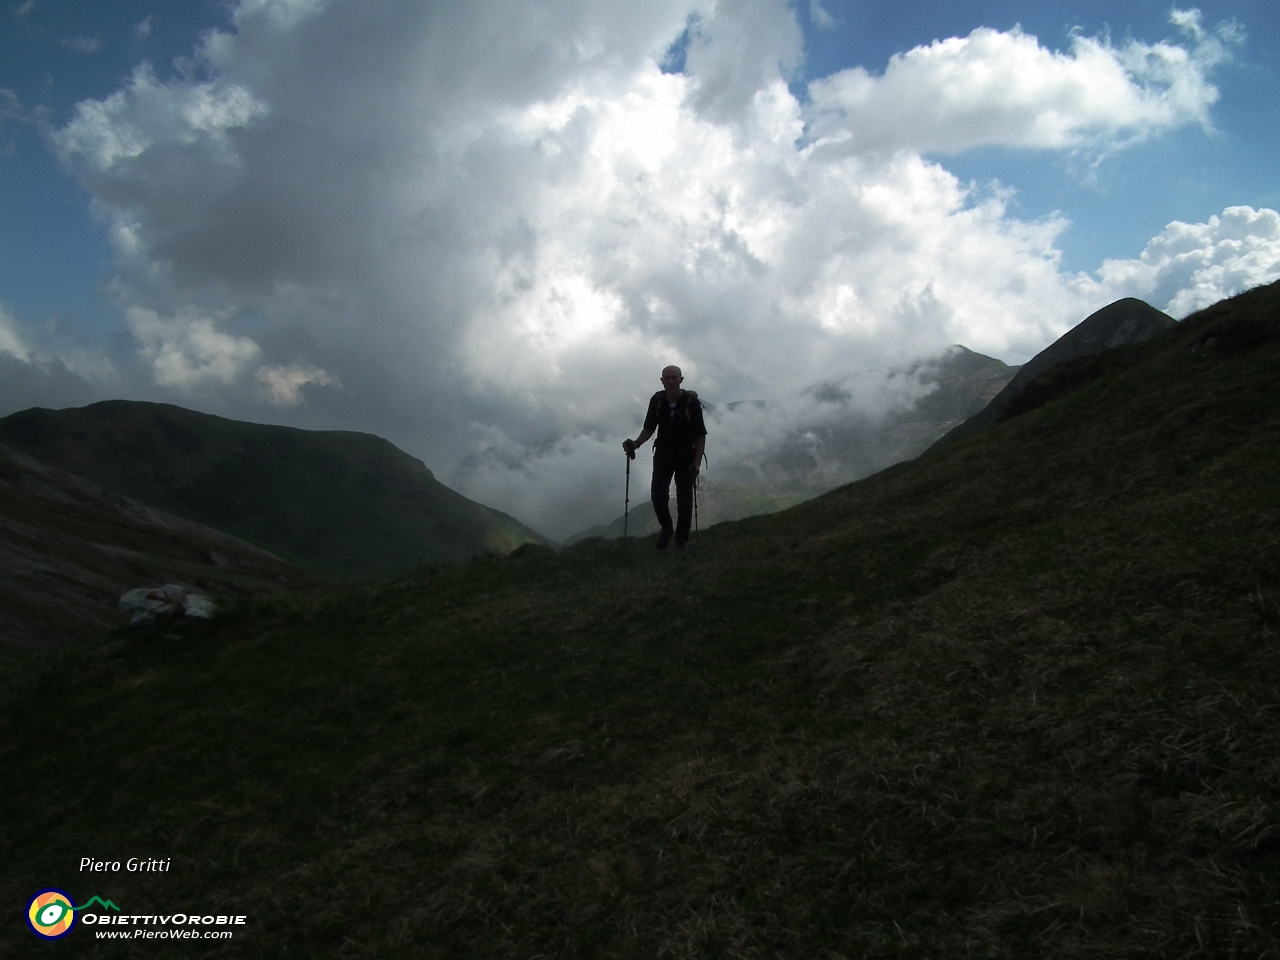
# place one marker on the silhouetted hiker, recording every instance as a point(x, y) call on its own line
point(677, 416)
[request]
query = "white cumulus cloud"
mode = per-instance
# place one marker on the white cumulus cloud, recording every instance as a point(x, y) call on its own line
point(150, 115)
point(1192, 265)
point(1005, 89)
point(189, 350)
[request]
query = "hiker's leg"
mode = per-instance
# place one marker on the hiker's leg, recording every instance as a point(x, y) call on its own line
point(660, 491)
point(684, 502)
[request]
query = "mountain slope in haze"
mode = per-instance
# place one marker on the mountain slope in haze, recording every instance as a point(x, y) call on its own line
point(843, 443)
point(828, 453)
point(1118, 324)
point(334, 502)
point(71, 547)
point(1019, 697)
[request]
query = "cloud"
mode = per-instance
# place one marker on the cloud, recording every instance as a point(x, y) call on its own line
point(737, 52)
point(142, 29)
point(82, 44)
point(1190, 266)
point(11, 108)
point(284, 384)
point(11, 341)
point(819, 15)
point(189, 351)
point(492, 224)
point(48, 366)
point(1005, 89)
point(151, 116)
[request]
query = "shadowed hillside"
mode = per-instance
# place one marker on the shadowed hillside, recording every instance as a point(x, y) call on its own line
point(337, 503)
point(1118, 324)
point(1019, 697)
point(71, 548)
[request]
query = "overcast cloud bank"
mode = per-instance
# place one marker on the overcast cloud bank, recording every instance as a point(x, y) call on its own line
point(481, 229)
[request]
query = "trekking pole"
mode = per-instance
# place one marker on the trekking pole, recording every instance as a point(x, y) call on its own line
point(626, 505)
point(695, 501)
point(697, 480)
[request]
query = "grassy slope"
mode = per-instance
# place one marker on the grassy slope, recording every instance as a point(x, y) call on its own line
point(335, 502)
point(717, 502)
point(69, 551)
point(1017, 698)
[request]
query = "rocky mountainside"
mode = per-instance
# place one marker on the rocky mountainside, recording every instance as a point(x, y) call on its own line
point(333, 502)
point(1118, 324)
point(70, 547)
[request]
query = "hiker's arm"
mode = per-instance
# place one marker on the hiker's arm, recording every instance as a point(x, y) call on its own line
point(645, 434)
point(650, 425)
point(697, 453)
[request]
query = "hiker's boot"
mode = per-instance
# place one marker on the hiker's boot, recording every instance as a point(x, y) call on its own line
point(681, 544)
point(663, 539)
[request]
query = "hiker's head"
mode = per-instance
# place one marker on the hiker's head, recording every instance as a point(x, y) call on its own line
point(671, 378)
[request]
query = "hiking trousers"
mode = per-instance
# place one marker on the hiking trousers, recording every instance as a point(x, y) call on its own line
point(664, 471)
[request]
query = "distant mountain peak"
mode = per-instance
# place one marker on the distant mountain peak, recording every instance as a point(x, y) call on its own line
point(1123, 322)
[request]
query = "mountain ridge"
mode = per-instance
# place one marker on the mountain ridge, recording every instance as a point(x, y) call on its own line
point(1121, 323)
point(339, 503)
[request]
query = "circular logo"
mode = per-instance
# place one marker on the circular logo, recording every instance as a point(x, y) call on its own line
point(50, 914)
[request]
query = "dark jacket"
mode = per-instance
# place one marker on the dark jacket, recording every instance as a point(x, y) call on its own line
point(678, 429)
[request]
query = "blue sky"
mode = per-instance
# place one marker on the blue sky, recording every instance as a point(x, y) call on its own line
point(54, 53)
point(1186, 175)
point(436, 221)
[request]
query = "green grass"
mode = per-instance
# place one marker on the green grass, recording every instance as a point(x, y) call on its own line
point(1016, 698)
